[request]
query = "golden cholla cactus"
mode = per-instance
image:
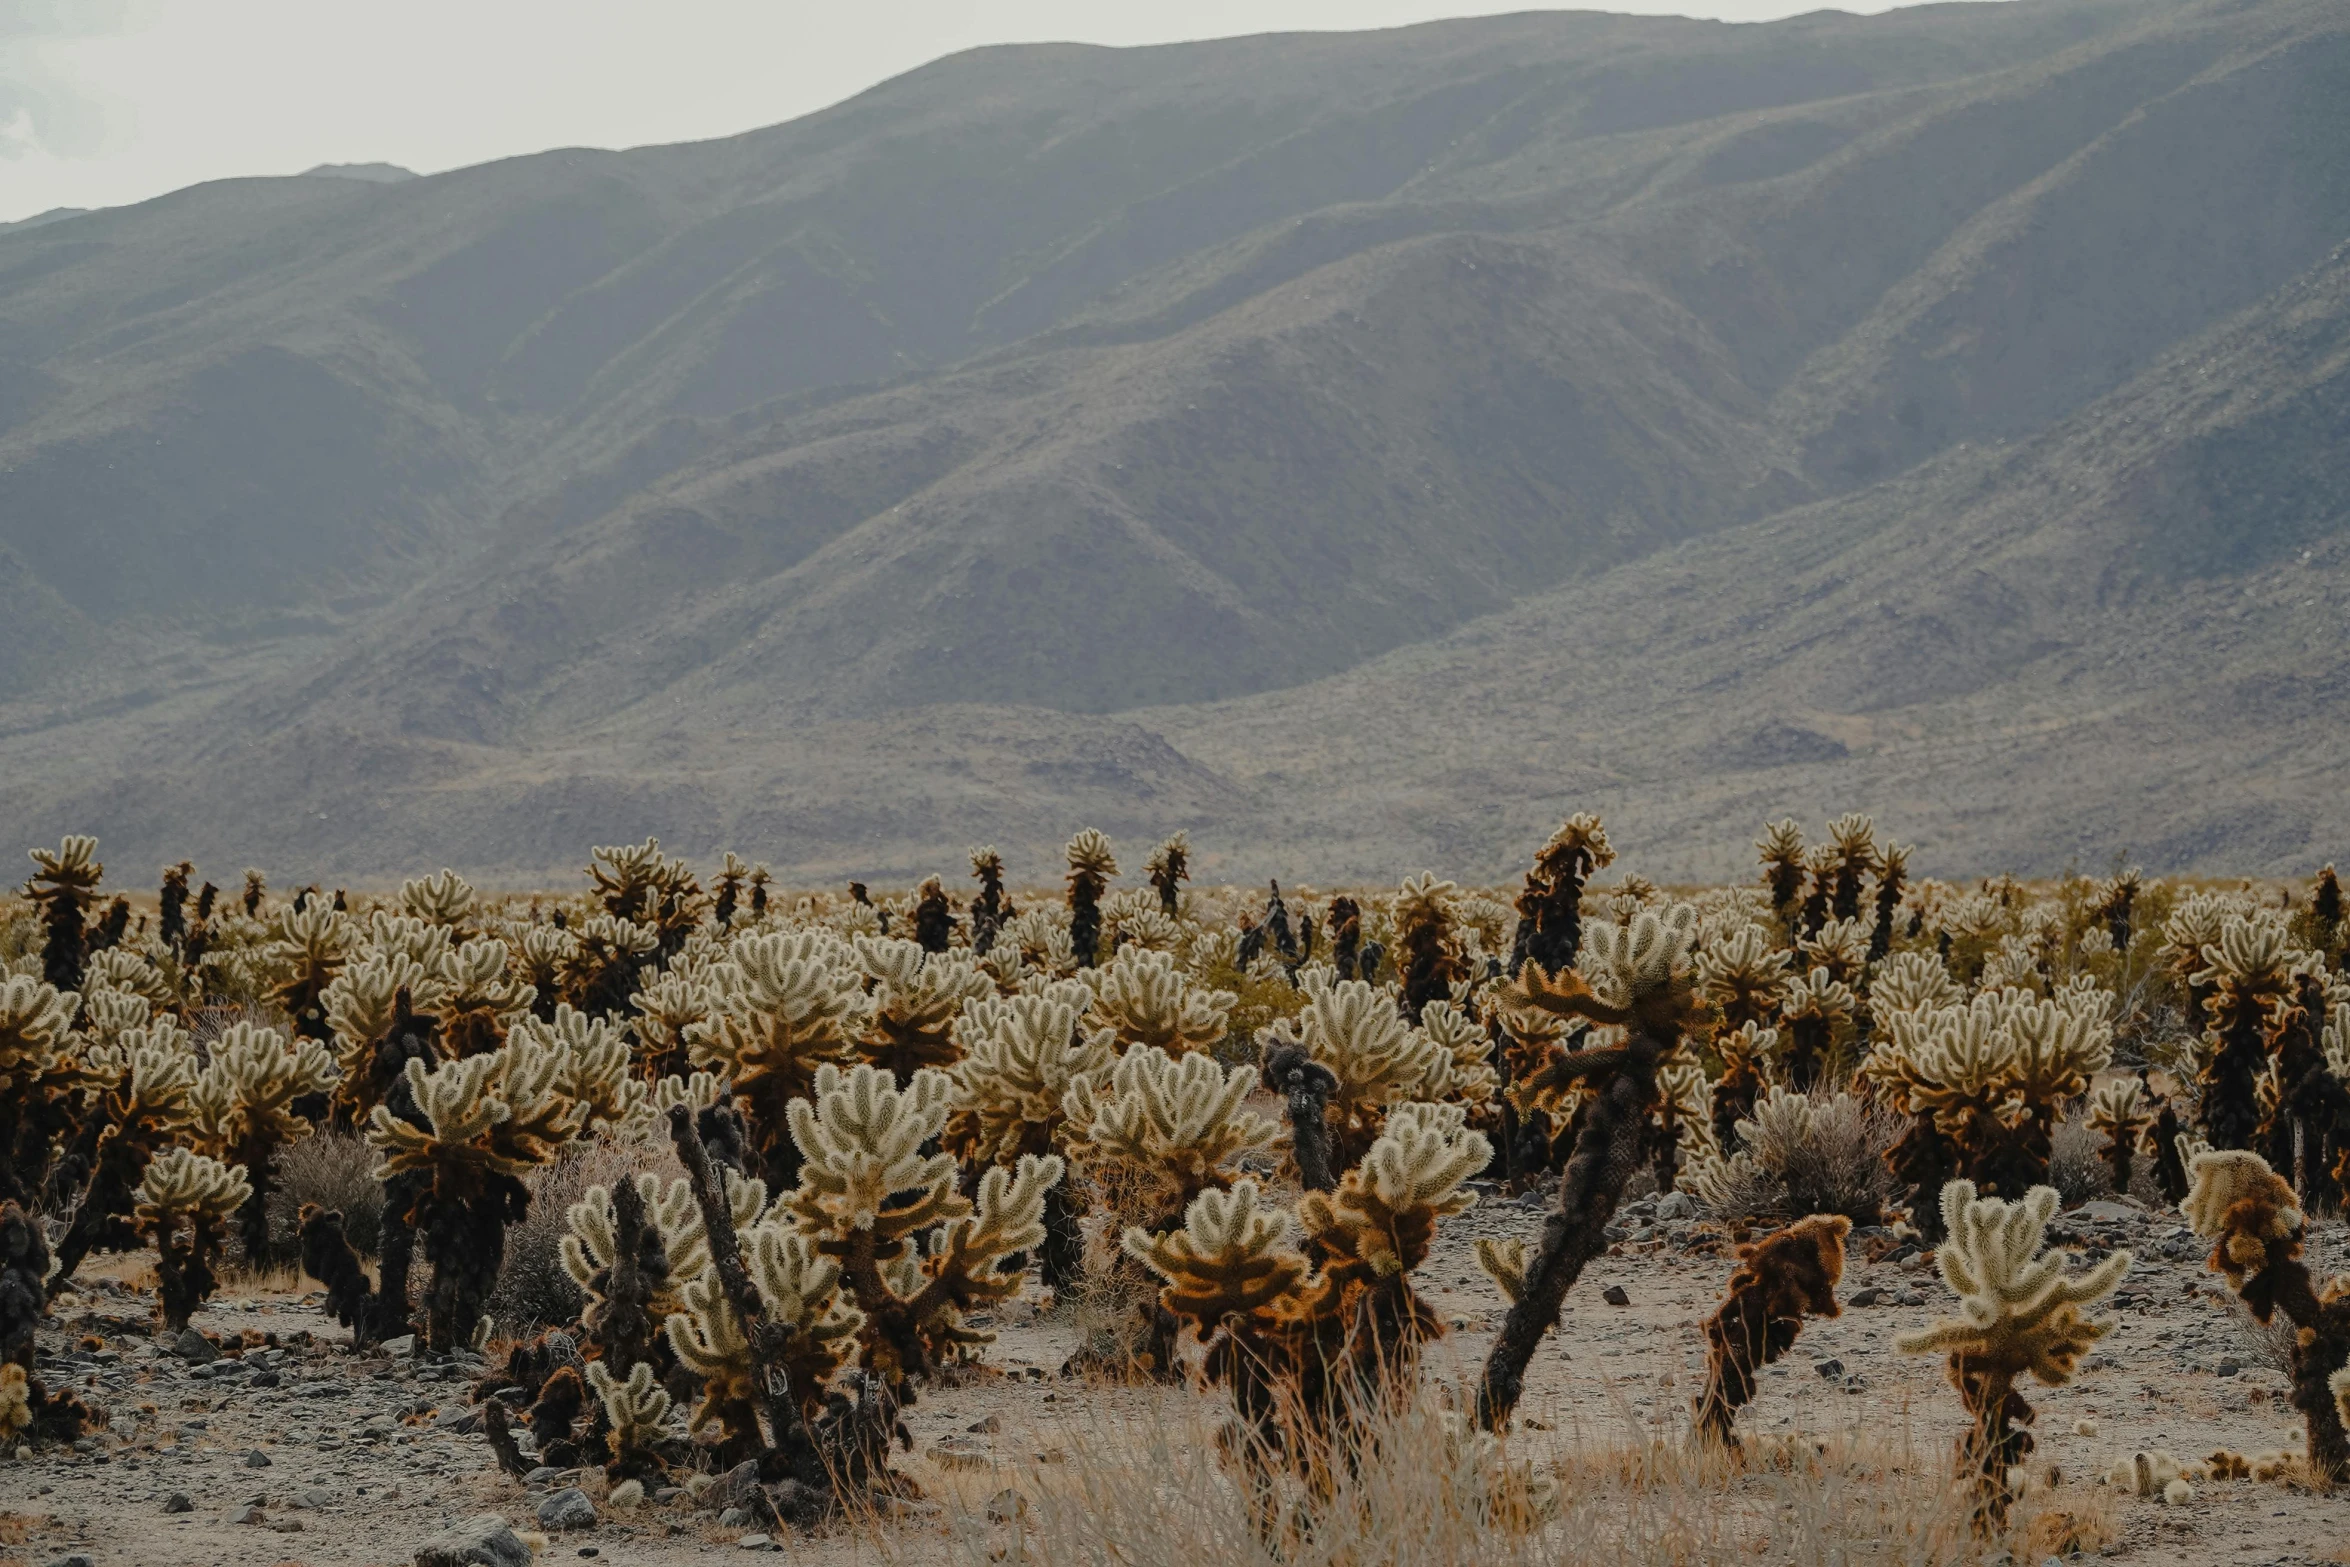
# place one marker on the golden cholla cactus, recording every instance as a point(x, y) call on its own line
point(146, 1109)
point(1743, 977)
point(1310, 1356)
point(362, 1007)
point(1168, 868)
point(867, 1188)
point(1428, 956)
point(593, 1070)
point(2256, 1223)
point(2334, 1039)
point(799, 1291)
point(1816, 1015)
point(1749, 1054)
point(400, 935)
point(244, 1105)
point(592, 1244)
point(485, 1122)
point(311, 946)
point(542, 955)
point(185, 1201)
point(1383, 1215)
point(2236, 1200)
point(1020, 1058)
point(1091, 865)
point(2056, 1052)
point(128, 971)
point(1911, 982)
point(1469, 1076)
point(787, 1005)
point(1163, 1129)
point(2013, 965)
point(1352, 1028)
point(64, 883)
point(2249, 978)
point(1147, 999)
point(34, 1021)
point(443, 898)
point(2119, 1111)
point(636, 1411)
point(1840, 948)
point(107, 1015)
point(2020, 1313)
point(1781, 851)
point(478, 1002)
point(668, 1010)
point(915, 998)
point(1504, 1262)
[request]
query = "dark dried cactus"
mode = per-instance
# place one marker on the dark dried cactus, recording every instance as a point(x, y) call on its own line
point(934, 917)
point(1786, 1276)
point(1169, 868)
point(327, 1257)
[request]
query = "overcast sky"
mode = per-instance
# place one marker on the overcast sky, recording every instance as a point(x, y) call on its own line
point(110, 101)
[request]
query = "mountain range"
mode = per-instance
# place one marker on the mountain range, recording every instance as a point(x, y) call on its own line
point(1357, 449)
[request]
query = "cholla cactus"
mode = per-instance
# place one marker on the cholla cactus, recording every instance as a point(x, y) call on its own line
point(867, 1189)
point(1091, 865)
point(185, 1202)
point(2256, 1223)
point(311, 947)
point(1840, 948)
point(787, 1006)
point(65, 884)
point(1021, 1058)
point(800, 1290)
point(605, 962)
point(1747, 1053)
point(444, 898)
point(1428, 951)
point(1309, 1355)
point(1466, 1073)
point(2118, 1110)
point(480, 1124)
point(1353, 1030)
point(1911, 982)
point(1816, 1011)
point(1162, 1130)
point(915, 999)
point(2020, 1313)
point(1148, 1000)
point(1550, 907)
point(1782, 853)
point(1168, 868)
point(43, 1082)
point(2248, 976)
point(1636, 978)
point(667, 1012)
point(144, 1112)
point(244, 1109)
point(479, 1004)
point(1743, 978)
point(636, 1412)
point(1786, 1276)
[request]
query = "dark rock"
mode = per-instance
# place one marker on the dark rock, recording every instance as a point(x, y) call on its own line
point(256, 1459)
point(735, 1488)
point(567, 1509)
point(194, 1348)
point(483, 1541)
point(247, 1514)
point(1614, 1295)
point(1867, 1297)
point(1829, 1368)
point(177, 1502)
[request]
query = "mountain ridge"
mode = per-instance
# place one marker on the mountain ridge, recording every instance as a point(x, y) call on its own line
point(660, 484)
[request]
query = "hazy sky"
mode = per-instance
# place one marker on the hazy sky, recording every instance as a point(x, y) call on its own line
point(111, 101)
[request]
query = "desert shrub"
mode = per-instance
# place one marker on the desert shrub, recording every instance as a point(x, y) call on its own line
point(2077, 1166)
point(1802, 1154)
point(334, 1169)
point(534, 1288)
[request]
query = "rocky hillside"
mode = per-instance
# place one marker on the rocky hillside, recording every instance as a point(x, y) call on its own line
point(1323, 442)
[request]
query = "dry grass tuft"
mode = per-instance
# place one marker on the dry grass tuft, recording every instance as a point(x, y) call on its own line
point(1147, 1491)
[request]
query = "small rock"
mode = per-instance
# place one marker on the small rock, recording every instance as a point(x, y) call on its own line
point(1910, 1298)
point(486, 1540)
point(400, 1348)
point(734, 1517)
point(76, 1560)
point(2106, 1213)
point(1829, 1368)
point(177, 1502)
point(1676, 1205)
point(590, 1550)
point(194, 1348)
point(246, 1514)
point(1867, 1297)
point(2228, 1368)
point(567, 1509)
point(1614, 1295)
point(954, 1452)
point(756, 1542)
point(987, 1427)
point(257, 1459)
point(542, 1475)
point(287, 1526)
